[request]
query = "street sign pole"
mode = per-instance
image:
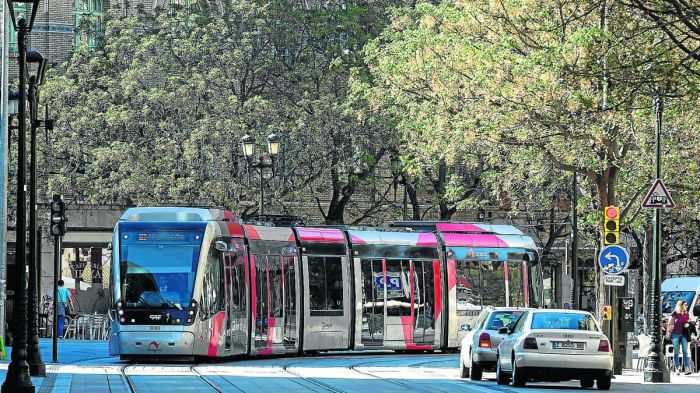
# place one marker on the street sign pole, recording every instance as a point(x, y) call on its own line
point(655, 369)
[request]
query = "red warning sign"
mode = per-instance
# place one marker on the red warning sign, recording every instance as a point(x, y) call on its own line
point(658, 197)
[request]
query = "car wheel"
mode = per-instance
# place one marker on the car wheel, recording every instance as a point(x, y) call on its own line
point(501, 377)
point(463, 371)
point(587, 383)
point(477, 372)
point(518, 376)
point(604, 382)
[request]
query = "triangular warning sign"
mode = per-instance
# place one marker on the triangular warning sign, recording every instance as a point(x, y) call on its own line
point(658, 197)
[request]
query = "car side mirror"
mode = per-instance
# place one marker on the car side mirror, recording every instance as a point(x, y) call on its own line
point(504, 330)
point(220, 246)
point(465, 327)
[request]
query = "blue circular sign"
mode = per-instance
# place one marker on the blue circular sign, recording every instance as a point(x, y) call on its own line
point(613, 259)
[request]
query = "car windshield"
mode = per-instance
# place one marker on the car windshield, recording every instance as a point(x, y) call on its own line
point(565, 321)
point(670, 299)
point(501, 319)
point(157, 269)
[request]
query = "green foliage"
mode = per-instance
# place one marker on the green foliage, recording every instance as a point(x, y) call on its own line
point(536, 89)
point(155, 114)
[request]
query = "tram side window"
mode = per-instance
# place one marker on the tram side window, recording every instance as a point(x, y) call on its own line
point(233, 262)
point(372, 301)
point(212, 300)
point(275, 286)
point(325, 285)
point(515, 284)
point(290, 284)
point(534, 282)
point(468, 287)
point(493, 283)
point(262, 302)
point(398, 287)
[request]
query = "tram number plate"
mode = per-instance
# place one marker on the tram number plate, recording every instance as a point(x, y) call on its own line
point(567, 345)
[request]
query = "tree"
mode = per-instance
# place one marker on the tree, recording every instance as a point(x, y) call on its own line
point(678, 19)
point(569, 83)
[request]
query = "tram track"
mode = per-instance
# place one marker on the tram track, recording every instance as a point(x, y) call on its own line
point(408, 386)
point(132, 386)
point(313, 373)
point(127, 380)
point(206, 380)
point(314, 381)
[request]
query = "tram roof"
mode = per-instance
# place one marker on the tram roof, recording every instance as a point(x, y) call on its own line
point(421, 239)
point(463, 227)
point(487, 240)
point(470, 227)
point(260, 232)
point(320, 235)
point(176, 214)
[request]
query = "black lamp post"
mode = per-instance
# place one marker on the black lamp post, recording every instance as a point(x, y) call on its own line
point(273, 148)
point(18, 379)
point(36, 364)
point(655, 369)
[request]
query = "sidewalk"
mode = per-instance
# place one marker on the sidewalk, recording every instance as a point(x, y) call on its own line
point(636, 381)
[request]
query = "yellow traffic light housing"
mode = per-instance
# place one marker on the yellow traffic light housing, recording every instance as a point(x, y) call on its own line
point(607, 313)
point(611, 225)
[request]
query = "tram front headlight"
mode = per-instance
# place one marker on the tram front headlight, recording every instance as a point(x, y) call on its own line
point(192, 312)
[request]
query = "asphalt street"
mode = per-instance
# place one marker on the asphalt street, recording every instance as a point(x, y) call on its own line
point(84, 367)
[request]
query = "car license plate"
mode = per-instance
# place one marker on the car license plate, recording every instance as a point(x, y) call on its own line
point(567, 345)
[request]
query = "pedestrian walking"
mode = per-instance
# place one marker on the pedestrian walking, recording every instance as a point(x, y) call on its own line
point(64, 298)
point(675, 330)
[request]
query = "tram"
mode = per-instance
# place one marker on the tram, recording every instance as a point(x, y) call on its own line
point(193, 283)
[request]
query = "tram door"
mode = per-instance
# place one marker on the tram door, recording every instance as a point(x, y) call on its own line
point(424, 321)
point(327, 302)
point(398, 302)
point(275, 303)
point(236, 304)
point(373, 299)
point(397, 288)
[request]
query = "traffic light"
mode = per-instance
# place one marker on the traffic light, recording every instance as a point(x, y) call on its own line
point(607, 313)
point(58, 216)
point(611, 225)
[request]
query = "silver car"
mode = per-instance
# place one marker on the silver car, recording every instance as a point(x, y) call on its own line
point(555, 345)
point(478, 348)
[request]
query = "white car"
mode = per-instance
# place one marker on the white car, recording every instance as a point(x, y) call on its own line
point(555, 345)
point(479, 345)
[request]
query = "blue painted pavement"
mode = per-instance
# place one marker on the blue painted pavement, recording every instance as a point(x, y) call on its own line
point(85, 367)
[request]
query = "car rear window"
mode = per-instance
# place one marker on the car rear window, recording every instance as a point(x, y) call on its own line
point(500, 319)
point(566, 321)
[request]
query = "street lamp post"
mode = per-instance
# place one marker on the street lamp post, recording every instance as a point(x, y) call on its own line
point(18, 378)
point(655, 369)
point(36, 363)
point(273, 148)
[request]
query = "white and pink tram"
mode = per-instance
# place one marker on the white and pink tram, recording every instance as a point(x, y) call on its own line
point(190, 282)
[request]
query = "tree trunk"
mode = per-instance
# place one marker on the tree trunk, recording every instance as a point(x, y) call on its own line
point(412, 195)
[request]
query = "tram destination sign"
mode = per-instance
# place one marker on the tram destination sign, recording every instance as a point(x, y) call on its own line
point(615, 281)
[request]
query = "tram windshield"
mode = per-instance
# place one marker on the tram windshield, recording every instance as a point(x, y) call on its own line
point(157, 268)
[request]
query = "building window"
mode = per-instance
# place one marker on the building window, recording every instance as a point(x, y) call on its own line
point(88, 22)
